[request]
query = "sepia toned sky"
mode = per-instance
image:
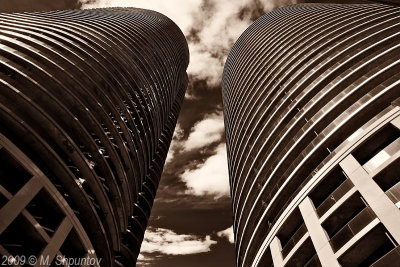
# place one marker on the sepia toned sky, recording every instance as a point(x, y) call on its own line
point(191, 221)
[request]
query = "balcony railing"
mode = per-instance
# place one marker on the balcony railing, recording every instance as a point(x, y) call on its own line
point(294, 240)
point(299, 188)
point(353, 227)
point(334, 197)
point(394, 193)
point(392, 258)
point(313, 262)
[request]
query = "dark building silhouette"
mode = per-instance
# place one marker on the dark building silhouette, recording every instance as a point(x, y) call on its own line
point(312, 115)
point(88, 104)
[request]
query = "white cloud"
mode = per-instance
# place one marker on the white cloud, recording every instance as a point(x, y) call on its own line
point(217, 28)
point(178, 134)
point(202, 134)
point(216, 23)
point(143, 260)
point(203, 65)
point(211, 177)
point(205, 132)
point(228, 234)
point(180, 11)
point(168, 242)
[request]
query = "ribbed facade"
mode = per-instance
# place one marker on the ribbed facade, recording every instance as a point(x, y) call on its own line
point(313, 137)
point(88, 104)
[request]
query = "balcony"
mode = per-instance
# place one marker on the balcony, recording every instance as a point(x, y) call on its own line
point(374, 248)
point(302, 255)
point(353, 227)
point(313, 262)
point(334, 197)
point(392, 258)
point(394, 193)
point(294, 240)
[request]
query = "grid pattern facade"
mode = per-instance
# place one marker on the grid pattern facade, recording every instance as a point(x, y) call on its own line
point(312, 126)
point(89, 100)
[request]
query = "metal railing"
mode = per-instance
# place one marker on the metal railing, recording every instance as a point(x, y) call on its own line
point(354, 226)
point(394, 193)
point(392, 258)
point(313, 262)
point(334, 197)
point(294, 240)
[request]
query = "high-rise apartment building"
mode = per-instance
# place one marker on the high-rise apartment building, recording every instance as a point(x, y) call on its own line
point(312, 115)
point(88, 104)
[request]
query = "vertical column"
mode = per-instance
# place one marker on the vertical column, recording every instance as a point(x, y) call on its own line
point(317, 233)
point(384, 208)
point(276, 249)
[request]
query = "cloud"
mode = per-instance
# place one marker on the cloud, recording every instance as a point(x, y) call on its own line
point(180, 11)
point(211, 27)
point(175, 143)
point(228, 234)
point(37, 5)
point(145, 260)
point(165, 241)
point(216, 26)
point(204, 65)
point(211, 177)
point(205, 132)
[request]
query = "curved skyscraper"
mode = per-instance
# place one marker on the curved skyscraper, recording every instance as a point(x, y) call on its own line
point(88, 104)
point(312, 120)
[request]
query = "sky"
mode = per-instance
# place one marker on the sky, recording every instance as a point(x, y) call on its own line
point(191, 220)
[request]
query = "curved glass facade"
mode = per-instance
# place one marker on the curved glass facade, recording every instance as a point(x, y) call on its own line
point(88, 104)
point(313, 134)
